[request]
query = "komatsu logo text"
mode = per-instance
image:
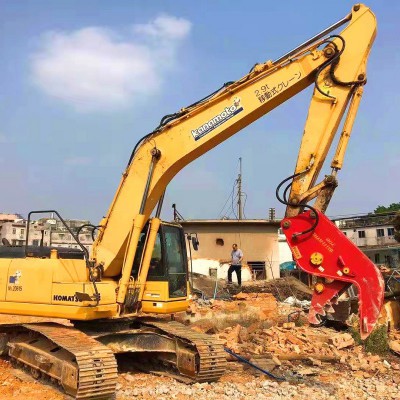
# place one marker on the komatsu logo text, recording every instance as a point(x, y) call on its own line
point(218, 120)
point(59, 297)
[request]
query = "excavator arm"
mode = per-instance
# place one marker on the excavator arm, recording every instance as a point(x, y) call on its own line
point(336, 64)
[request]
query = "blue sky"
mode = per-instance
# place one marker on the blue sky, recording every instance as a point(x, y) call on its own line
point(82, 81)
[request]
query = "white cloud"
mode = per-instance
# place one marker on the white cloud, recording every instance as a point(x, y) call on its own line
point(165, 27)
point(96, 69)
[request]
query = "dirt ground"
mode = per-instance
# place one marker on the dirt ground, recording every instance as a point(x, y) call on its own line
point(327, 383)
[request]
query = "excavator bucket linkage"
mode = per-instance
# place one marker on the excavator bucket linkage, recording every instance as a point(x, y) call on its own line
point(321, 249)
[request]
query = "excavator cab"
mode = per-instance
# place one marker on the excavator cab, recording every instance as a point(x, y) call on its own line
point(166, 288)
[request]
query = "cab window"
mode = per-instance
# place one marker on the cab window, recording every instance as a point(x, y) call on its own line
point(156, 267)
point(176, 262)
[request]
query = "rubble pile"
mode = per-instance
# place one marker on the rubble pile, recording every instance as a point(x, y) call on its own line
point(310, 345)
point(212, 316)
point(319, 363)
point(272, 338)
point(280, 288)
point(394, 342)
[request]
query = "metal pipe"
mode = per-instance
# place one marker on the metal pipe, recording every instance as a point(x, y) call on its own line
point(189, 239)
point(133, 240)
point(138, 224)
point(148, 253)
point(314, 39)
point(156, 154)
point(159, 205)
point(243, 360)
point(337, 161)
point(84, 249)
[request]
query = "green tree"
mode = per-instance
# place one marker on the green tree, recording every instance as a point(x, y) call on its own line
point(396, 224)
point(392, 207)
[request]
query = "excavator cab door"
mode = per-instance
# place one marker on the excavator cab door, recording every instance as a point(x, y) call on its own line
point(176, 260)
point(167, 278)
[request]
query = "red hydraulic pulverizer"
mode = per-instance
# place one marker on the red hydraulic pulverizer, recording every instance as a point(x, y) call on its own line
point(323, 250)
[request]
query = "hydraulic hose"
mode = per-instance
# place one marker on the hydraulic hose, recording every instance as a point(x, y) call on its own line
point(243, 360)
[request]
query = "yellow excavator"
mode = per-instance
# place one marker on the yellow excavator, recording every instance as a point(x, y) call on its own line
point(120, 298)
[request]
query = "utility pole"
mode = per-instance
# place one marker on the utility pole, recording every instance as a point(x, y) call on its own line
point(239, 181)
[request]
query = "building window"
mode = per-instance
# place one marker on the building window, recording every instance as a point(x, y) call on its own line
point(390, 231)
point(257, 269)
point(361, 234)
point(377, 258)
point(14, 231)
point(380, 232)
point(22, 231)
point(35, 242)
point(219, 242)
point(388, 261)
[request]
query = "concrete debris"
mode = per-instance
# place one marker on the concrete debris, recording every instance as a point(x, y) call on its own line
point(277, 342)
point(395, 346)
point(293, 301)
point(342, 341)
point(288, 325)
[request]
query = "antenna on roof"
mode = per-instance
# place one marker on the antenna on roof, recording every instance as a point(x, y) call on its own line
point(239, 183)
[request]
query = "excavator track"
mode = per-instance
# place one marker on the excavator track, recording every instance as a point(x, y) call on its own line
point(211, 357)
point(83, 363)
point(85, 368)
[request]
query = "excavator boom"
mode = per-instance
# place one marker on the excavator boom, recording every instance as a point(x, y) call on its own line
point(337, 66)
point(184, 136)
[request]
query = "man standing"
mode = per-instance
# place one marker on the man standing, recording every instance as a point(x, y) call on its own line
point(236, 264)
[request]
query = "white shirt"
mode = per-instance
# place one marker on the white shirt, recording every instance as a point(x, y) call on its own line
point(236, 256)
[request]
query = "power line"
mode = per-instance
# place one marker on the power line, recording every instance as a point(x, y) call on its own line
point(233, 208)
point(229, 197)
point(244, 205)
point(351, 215)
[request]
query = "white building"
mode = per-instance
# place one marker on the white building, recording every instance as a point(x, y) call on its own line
point(46, 232)
point(257, 238)
point(374, 235)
